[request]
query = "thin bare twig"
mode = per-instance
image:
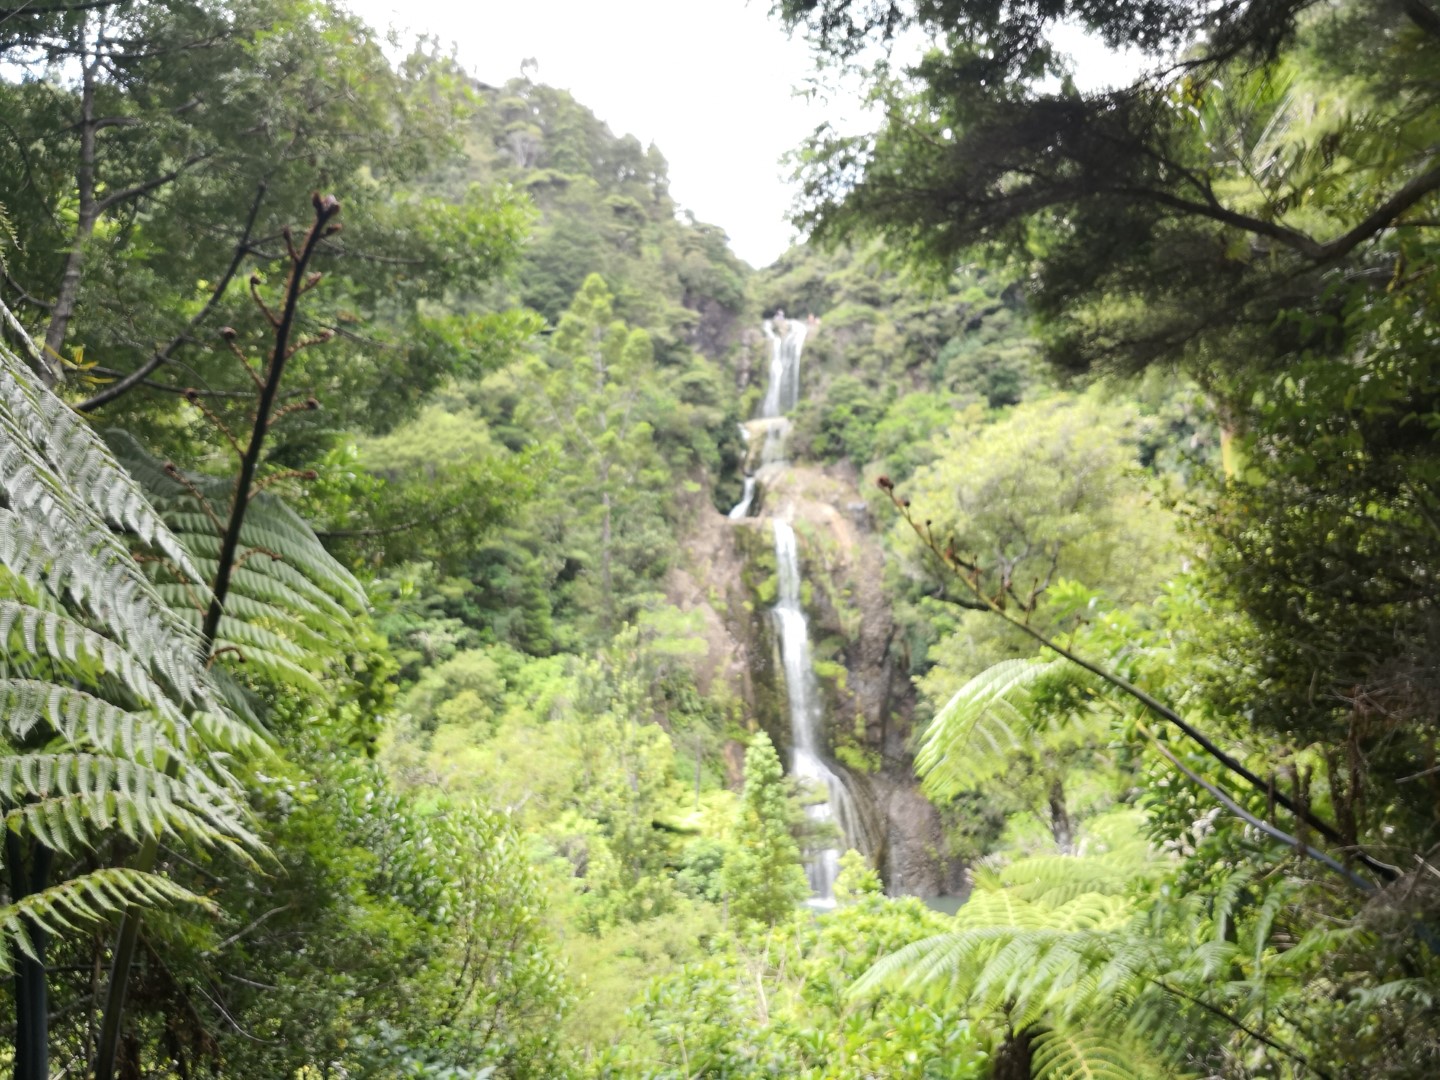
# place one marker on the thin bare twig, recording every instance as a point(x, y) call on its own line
point(959, 568)
point(140, 374)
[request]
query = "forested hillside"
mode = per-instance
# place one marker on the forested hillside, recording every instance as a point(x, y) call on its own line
point(461, 621)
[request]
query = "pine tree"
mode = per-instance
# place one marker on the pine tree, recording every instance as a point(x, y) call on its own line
point(763, 876)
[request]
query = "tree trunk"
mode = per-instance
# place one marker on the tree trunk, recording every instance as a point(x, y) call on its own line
point(1012, 1057)
point(32, 997)
point(606, 585)
point(65, 300)
point(1060, 826)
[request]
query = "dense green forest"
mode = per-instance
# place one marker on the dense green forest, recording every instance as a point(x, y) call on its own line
point(458, 620)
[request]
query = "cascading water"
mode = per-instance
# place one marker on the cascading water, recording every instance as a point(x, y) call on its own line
point(742, 508)
point(836, 812)
point(803, 691)
point(787, 341)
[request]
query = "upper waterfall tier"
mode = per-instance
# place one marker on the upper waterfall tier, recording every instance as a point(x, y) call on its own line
point(787, 342)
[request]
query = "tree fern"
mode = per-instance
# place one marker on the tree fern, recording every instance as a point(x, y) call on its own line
point(1035, 949)
point(1123, 980)
point(74, 904)
point(112, 724)
point(1080, 1054)
point(990, 719)
point(290, 604)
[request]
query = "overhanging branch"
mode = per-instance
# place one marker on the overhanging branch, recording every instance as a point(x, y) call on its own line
point(1302, 813)
point(143, 372)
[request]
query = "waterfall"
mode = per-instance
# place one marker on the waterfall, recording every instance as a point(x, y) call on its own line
point(742, 508)
point(803, 691)
point(777, 435)
point(787, 341)
point(836, 812)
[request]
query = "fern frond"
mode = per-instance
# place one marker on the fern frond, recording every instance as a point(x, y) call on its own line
point(1228, 898)
point(984, 722)
point(140, 800)
point(83, 720)
point(270, 525)
point(1053, 880)
point(72, 647)
point(113, 723)
point(944, 962)
point(1417, 991)
point(52, 462)
point(1084, 1054)
point(206, 550)
point(82, 902)
point(290, 606)
point(1001, 907)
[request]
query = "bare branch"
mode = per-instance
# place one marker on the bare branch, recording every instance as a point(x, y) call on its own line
point(125, 194)
point(139, 375)
point(1302, 813)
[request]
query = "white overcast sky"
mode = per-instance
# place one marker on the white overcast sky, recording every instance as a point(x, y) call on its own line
point(710, 82)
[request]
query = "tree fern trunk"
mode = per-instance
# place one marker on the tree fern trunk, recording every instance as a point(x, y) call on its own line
point(1060, 826)
point(1013, 1057)
point(32, 997)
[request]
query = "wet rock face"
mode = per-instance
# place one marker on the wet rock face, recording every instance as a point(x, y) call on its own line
point(913, 862)
point(869, 700)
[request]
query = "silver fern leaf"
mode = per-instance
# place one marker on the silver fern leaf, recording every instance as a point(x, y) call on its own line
point(973, 737)
point(112, 724)
point(290, 602)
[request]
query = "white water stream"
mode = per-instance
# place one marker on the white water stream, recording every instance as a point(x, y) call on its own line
point(836, 810)
point(742, 508)
point(787, 341)
point(806, 714)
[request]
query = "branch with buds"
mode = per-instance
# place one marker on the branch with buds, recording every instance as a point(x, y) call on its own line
point(297, 284)
point(969, 574)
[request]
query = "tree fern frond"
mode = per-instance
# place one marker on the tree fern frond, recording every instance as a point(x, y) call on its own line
point(117, 724)
point(1094, 911)
point(243, 609)
point(274, 666)
point(269, 525)
point(290, 607)
point(141, 800)
point(1055, 879)
point(1127, 963)
point(1001, 907)
point(1228, 898)
point(81, 719)
point(82, 560)
point(1067, 1053)
point(252, 635)
point(28, 631)
point(1317, 942)
point(206, 550)
point(971, 737)
point(1265, 915)
point(1006, 977)
point(83, 901)
point(1419, 991)
point(239, 724)
point(932, 964)
point(50, 457)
